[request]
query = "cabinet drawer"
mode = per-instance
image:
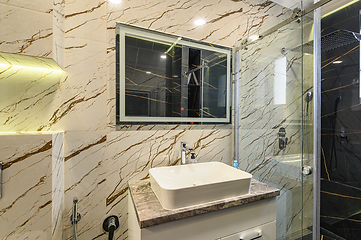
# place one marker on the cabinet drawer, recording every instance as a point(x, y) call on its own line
point(262, 232)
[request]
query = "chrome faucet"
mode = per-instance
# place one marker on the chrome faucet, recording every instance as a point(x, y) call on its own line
point(184, 149)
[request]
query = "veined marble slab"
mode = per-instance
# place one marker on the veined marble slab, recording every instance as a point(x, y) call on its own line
point(10, 60)
point(58, 185)
point(28, 86)
point(86, 19)
point(26, 31)
point(59, 32)
point(85, 178)
point(83, 94)
point(45, 6)
point(150, 212)
point(32, 201)
point(177, 17)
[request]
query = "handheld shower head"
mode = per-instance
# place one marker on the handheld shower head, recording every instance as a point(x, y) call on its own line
point(308, 97)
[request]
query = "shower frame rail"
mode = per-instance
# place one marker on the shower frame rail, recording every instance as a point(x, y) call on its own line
point(297, 13)
point(1, 179)
point(316, 124)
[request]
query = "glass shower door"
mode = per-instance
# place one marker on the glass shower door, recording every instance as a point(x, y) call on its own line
point(272, 109)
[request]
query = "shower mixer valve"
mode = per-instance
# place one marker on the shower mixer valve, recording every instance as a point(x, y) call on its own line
point(282, 140)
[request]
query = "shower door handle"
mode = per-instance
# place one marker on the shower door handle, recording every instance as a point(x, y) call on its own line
point(307, 170)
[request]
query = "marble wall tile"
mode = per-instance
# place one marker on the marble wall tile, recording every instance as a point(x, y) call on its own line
point(289, 214)
point(86, 19)
point(89, 230)
point(26, 97)
point(307, 202)
point(130, 154)
point(111, 87)
point(26, 31)
point(85, 178)
point(58, 185)
point(45, 6)
point(26, 206)
point(80, 36)
point(59, 32)
point(258, 107)
point(25, 61)
point(176, 17)
point(81, 99)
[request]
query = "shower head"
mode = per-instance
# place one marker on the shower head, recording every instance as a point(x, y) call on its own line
point(333, 40)
point(308, 97)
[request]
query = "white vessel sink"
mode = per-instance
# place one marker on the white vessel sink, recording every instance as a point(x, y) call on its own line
point(192, 184)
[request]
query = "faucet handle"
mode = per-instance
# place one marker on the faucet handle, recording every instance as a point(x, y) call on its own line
point(184, 146)
point(193, 158)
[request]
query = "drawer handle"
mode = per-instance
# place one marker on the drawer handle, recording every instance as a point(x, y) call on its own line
point(259, 236)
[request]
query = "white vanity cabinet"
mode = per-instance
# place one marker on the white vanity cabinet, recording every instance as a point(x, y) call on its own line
point(246, 221)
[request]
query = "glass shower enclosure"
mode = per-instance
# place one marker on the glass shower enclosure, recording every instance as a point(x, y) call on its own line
point(275, 72)
point(298, 109)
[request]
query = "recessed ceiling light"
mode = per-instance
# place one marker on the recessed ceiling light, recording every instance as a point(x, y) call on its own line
point(337, 62)
point(199, 22)
point(148, 72)
point(115, 1)
point(163, 56)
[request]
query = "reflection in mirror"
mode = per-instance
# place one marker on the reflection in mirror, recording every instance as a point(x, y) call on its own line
point(169, 79)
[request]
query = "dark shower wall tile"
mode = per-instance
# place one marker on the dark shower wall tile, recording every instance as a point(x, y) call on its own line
point(341, 129)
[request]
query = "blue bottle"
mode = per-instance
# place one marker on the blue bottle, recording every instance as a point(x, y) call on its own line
point(235, 164)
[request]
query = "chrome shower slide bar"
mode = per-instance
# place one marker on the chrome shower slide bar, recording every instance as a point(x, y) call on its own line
point(75, 218)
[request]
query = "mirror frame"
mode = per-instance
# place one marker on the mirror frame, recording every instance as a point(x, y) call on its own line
point(122, 30)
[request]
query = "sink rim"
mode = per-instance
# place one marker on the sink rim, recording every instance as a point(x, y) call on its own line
point(219, 181)
point(199, 165)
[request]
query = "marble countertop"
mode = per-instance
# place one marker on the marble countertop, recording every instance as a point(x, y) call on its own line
point(151, 213)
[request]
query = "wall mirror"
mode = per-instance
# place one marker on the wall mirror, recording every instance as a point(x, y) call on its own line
point(163, 78)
